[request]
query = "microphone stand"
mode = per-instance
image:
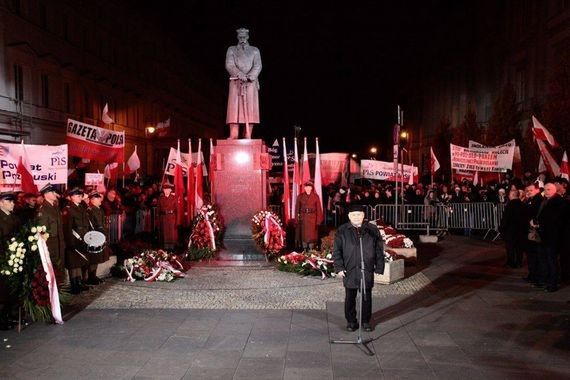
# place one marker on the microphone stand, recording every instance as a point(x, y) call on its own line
point(362, 293)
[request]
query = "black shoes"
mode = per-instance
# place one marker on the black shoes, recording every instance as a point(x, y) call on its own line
point(367, 327)
point(352, 327)
point(94, 281)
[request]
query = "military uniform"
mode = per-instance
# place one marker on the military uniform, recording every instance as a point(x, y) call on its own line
point(309, 214)
point(97, 218)
point(168, 225)
point(50, 216)
point(9, 226)
point(75, 218)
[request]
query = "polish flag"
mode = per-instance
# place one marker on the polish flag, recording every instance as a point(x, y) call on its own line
point(190, 185)
point(133, 163)
point(286, 200)
point(318, 186)
point(434, 163)
point(564, 169)
point(306, 172)
point(199, 194)
point(179, 187)
point(296, 181)
point(23, 169)
point(163, 127)
point(541, 133)
point(541, 166)
point(105, 115)
point(548, 160)
point(111, 172)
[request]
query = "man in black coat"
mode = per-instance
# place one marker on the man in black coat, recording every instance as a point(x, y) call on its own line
point(351, 239)
point(514, 229)
point(532, 202)
point(9, 226)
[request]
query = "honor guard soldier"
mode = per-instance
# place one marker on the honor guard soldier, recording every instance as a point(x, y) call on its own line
point(49, 215)
point(75, 226)
point(167, 213)
point(309, 214)
point(97, 218)
point(9, 226)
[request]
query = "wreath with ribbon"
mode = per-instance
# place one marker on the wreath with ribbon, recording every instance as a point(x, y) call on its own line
point(268, 233)
point(206, 228)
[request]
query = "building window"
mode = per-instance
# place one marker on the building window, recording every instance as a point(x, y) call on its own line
point(43, 16)
point(67, 97)
point(45, 90)
point(18, 83)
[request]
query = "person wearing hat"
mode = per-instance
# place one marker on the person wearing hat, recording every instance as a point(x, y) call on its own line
point(243, 63)
point(97, 218)
point(27, 210)
point(75, 226)
point(49, 215)
point(9, 226)
point(309, 215)
point(351, 239)
point(167, 209)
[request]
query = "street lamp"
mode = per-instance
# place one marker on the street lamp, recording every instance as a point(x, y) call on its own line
point(373, 151)
point(354, 155)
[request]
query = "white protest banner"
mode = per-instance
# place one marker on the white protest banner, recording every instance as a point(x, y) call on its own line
point(94, 143)
point(493, 159)
point(475, 144)
point(48, 164)
point(171, 163)
point(384, 171)
point(94, 179)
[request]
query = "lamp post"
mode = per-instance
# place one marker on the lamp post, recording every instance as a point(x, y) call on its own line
point(373, 150)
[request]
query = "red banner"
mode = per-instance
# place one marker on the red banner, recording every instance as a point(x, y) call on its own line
point(94, 143)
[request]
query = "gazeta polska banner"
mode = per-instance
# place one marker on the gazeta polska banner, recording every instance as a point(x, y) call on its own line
point(494, 159)
point(48, 164)
point(94, 143)
point(184, 157)
point(384, 171)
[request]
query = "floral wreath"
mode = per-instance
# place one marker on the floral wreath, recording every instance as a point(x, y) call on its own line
point(31, 275)
point(154, 266)
point(268, 233)
point(206, 228)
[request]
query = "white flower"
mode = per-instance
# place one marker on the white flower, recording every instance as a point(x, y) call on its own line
point(13, 239)
point(7, 272)
point(12, 257)
point(20, 244)
point(24, 250)
point(44, 228)
point(10, 262)
point(46, 236)
point(34, 247)
point(34, 230)
point(13, 246)
point(21, 262)
point(284, 261)
point(30, 238)
point(329, 255)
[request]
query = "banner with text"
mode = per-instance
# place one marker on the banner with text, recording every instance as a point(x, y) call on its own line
point(384, 171)
point(48, 164)
point(171, 163)
point(495, 159)
point(94, 143)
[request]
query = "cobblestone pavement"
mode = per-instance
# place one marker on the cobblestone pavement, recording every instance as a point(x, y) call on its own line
point(240, 288)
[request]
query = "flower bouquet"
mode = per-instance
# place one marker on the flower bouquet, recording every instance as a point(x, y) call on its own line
point(154, 266)
point(391, 237)
point(206, 228)
point(23, 266)
point(314, 263)
point(290, 262)
point(268, 233)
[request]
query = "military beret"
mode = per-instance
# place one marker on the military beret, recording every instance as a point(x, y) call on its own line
point(7, 196)
point(356, 207)
point(95, 194)
point(47, 188)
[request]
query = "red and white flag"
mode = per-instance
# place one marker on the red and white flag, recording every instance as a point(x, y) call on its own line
point(105, 115)
point(296, 181)
point(541, 166)
point(179, 187)
point(318, 186)
point(548, 160)
point(111, 172)
point(306, 172)
point(564, 169)
point(190, 192)
point(434, 163)
point(541, 133)
point(163, 127)
point(286, 200)
point(133, 163)
point(411, 177)
point(199, 194)
point(476, 178)
point(24, 170)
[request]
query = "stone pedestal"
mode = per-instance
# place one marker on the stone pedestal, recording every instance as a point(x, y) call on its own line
point(240, 191)
point(393, 271)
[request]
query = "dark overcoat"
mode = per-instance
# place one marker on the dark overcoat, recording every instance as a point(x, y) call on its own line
point(9, 226)
point(97, 218)
point(514, 224)
point(309, 214)
point(75, 218)
point(346, 254)
point(49, 215)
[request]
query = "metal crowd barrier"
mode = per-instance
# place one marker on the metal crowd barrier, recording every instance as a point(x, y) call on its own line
point(115, 223)
point(143, 222)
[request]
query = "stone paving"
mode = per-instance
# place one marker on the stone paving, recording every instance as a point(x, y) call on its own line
point(458, 315)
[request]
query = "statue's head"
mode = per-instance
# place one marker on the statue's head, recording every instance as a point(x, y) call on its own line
point(242, 35)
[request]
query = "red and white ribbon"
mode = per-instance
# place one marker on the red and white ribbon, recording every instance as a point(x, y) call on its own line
point(210, 230)
point(269, 219)
point(50, 277)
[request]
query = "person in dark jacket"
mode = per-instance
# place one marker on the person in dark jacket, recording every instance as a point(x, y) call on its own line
point(97, 219)
point(514, 229)
point(9, 226)
point(351, 239)
point(532, 202)
point(309, 215)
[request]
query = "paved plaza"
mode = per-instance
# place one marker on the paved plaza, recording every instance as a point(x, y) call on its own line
point(459, 313)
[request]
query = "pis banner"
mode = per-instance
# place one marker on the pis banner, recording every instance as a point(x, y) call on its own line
point(384, 171)
point(171, 163)
point(48, 164)
point(94, 143)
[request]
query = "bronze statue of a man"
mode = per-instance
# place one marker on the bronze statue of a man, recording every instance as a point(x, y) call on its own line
point(243, 63)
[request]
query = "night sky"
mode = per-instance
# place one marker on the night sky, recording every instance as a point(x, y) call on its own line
point(325, 66)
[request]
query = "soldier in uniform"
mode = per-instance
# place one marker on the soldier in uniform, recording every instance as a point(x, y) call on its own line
point(309, 215)
point(49, 215)
point(167, 213)
point(27, 211)
point(75, 226)
point(97, 218)
point(9, 226)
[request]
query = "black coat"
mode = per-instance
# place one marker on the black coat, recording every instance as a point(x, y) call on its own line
point(346, 254)
point(514, 225)
point(551, 221)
